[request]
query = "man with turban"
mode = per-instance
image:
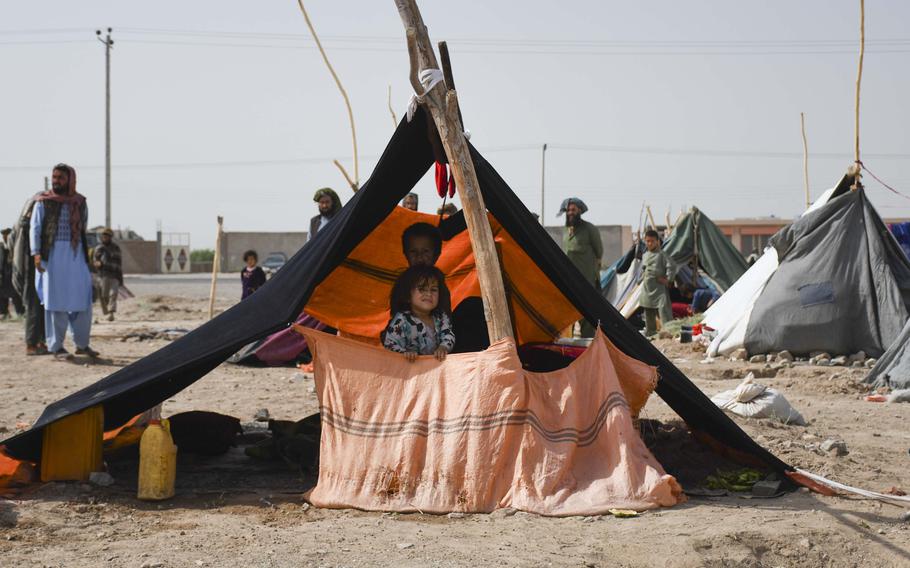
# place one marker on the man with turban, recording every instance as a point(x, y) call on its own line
point(583, 246)
point(329, 205)
point(60, 251)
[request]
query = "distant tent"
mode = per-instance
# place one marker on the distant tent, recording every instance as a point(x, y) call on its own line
point(329, 279)
point(892, 370)
point(696, 238)
point(834, 281)
point(619, 281)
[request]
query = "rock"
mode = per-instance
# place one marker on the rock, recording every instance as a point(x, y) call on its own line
point(262, 415)
point(819, 355)
point(905, 517)
point(870, 363)
point(823, 362)
point(506, 512)
point(100, 478)
point(766, 488)
point(804, 543)
point(455, 515)
point(152, 564)
point(857, 365)
point(405, 545)
point(840, 361)
point(662, 334)
point(785, 356)
point(200, 563)
point(739, 355)
point(859, 356)
point(770, 357)
point(837, 447)
point(757, 359)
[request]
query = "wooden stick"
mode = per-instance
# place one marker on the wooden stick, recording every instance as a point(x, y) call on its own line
point(859, 74)
point(344, 94)
point(651, 217)
point(344, 172)
point(216, 261)
point(391, 110)
point(447, 74)
point(802, 124)
point(443, 107)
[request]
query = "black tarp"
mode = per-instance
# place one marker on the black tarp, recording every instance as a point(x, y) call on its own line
point(408, 156)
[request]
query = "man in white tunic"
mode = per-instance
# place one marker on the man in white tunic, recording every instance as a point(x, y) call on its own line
point(60, 250)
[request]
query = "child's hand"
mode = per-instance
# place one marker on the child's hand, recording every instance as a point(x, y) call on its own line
point(441, 353)
point(411, 356)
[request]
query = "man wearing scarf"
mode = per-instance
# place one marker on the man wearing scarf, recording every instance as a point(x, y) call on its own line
point(583, 246)
point(60, 252)
point(329, 205)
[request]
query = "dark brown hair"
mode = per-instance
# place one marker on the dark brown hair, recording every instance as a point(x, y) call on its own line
point(400, 298)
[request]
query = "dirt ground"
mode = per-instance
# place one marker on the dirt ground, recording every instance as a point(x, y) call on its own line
point(231, 511)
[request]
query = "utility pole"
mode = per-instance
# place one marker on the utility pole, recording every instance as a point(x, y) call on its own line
point(543, 172)
point(108, 44)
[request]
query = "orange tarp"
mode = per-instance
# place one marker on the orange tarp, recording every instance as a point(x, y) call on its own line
point(355, 296)
point(477, 432)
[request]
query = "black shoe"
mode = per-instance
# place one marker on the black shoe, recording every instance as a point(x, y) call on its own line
point(87, 351)
point(63, 355)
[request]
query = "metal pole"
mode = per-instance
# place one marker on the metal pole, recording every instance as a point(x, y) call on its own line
point(543, 177)
point(108, 44)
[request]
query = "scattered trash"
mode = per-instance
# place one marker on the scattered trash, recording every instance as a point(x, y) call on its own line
point(405, 545)
point(899, 395)
point(624, 513)
point(754, 400)
point(740, 480)
point(840, 361)
point(758, 359)
point(896, 491)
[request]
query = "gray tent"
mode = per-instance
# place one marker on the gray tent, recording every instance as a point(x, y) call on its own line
point(842, 285)
point(893, 369)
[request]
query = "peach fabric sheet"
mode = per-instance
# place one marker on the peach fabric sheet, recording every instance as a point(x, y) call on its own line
point(477, 432)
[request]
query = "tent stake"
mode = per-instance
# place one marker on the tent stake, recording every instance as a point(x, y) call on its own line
point(216, 261)
point(443, 107)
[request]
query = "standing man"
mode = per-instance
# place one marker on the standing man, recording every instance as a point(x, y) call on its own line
point(60, 251)
point(108, 263)
point(329, 205)
point(7, 292)
point(24, 282)
point(583, 246)
point(657, 271)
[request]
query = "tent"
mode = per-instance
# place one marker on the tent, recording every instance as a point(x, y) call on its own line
point(696, 238)
point(327, 272)
point(835, 281)
point(619, 281)
point(892, 370)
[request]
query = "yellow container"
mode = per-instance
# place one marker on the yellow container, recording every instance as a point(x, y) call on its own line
point(71, 447)
point(157, 462)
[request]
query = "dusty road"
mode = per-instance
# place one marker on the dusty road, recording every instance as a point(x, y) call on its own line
point(230, 511)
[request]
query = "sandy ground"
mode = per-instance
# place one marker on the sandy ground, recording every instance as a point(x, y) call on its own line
point(230, 511)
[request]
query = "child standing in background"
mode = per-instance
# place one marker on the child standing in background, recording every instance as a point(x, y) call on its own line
point(252, 276)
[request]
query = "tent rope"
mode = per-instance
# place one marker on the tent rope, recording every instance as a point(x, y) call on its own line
point(855, 490)
point(876, 178)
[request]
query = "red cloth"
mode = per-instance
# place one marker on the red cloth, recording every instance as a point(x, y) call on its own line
point(681, 310)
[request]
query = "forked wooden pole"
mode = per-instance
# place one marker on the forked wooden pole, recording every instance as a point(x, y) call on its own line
point(859, 80)
point(216, 262)
point(802, 124)
point(391, 110)
point(443, 107)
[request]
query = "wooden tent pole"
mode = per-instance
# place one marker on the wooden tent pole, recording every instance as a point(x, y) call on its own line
point(443, 107)
point(391, 110)
point(859, 80)
point(216, 261)
point(651, 217)
point(355, 184)
point(802, 124)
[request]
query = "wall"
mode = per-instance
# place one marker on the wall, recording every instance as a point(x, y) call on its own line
point(234, 244)
point(139, 257)
point(616, 239)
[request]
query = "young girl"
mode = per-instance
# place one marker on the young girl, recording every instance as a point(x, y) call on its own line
point(421, 323)
point(252, 276)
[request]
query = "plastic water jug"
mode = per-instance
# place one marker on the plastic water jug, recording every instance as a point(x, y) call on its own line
point(157, 462)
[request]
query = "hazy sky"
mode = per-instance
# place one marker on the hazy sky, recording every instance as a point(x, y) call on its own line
point(224, 107)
